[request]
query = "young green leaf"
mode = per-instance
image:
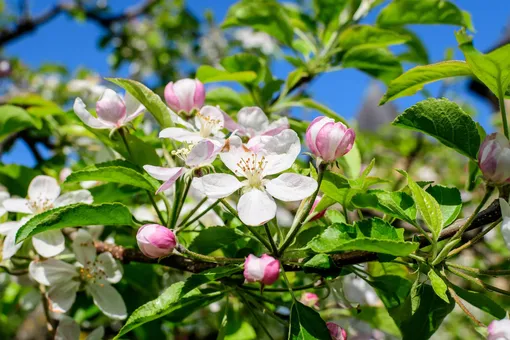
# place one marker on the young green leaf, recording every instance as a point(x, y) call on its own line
point(449, 201)
point(379, 62)
point(76, 215)
point(213, 238)
point(396, 204)
point(306, 324)
point(413, 80)
point(445, 121)
point(366, 35)
point(235, 326)
point(439, 286)
point(14, 119)
point(209, 74)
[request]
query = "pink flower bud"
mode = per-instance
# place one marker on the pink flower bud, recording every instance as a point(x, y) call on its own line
point(321, 213)
point(64, 173)
point(499, 330)
point(185, 95)
point(265, 269)
point(336, 332)
point(111, 108)
point(329, 140)
point(494, 158)
point(310, 299)
point(155, 241)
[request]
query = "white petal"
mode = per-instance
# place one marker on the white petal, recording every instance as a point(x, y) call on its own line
point(280, 151)
point(67, 329)
point(3, 211)
point(78, 196)
point(219, 185)
point(19, 205)
point(85, 116)
point(3, 196)
point(291, 187)
point(108, 300)
point(181, 135)
point(161, 173)
point(50, 272)
point(96, 334)
point(83, 247)
point(110, 266)
point(9, 247)
point(7, 227)
point(133, 107)
point(253, 120)
point(232, 158)
point(49, 243)
point(203, 153)
point(61, 296)
point(43, 188)
point(277, 126)
point(256, 207)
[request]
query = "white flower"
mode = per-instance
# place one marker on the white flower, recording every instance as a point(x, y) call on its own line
point(112, 110)
point(203, 153)
point(505, 225)
point(257, 40)
point(43, 195)
point(3, 196)
point(208, 124)
point(253, 122)
point(273, 155)
point(68, 329)
point(94, 273)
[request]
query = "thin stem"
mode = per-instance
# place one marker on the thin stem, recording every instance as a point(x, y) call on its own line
point(502, 107)
point(301, 216)
point(304, 287)
point(196, 218)
point(480, 272)
point(474, 239)
point(251, 229)
point(179, 202)
point(464, 309)
point(477, 281)
point(271, 240)
point(254, 298)
point(206, 258)
point(168, 209)
point(287, 282)
point(255, 316)
point(155, 205)
point(193, 211)
point(122, 134)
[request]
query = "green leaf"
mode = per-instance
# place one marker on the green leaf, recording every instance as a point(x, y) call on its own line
point(366, 35)
point(117, 171)
point(416, 51)
point(14, 119)
point(377, 318)
point(147, 98)
point(337, 188)
point(209, 74)
point(76, 215)
point(351, 162)
point(377, 62)
point(243, 62)
point(481, 301)
point(234, 326)
point(179, 300)
point(396, 204)
point(293, 78)
point(413, 80)
point(224, 96)
point(493, 69)
point(373, 235)
point(405, 12)
point(445, 121)
point(323, 265)
point(264, 15)
point(393, 290)
point(306, 324)
point(213, 238)
point(449, 201)
point(439, 286)
point(427, 206)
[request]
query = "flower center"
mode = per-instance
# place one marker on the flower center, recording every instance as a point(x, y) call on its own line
point(252, 168)
point(40, 204)
point(91, 273)
point(208, 125)
point(183, 152)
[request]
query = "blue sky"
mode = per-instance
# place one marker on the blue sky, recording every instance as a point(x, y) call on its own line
point(74, 44)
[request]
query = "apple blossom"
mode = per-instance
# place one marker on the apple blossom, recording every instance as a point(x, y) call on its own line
point(194, 156)
point(3, 196)
point(68, 329)
point(265, 269)
point(95, 272)
point(155, 240)
point(505, 224)
point(253, 122)
point(499, 330)
point(274, 154)
point(185, 95)
point(208, 124)
point(329, 140)
point(494, 158)
point(310, 299)
point(43, 195)
point(336, 332)
point(112, 110)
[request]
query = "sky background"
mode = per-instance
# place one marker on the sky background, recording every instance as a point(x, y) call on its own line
point(74, 44)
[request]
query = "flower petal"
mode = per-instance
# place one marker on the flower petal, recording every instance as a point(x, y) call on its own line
point(280, 151)
point(110, 266)
point(49, 243)
point(78, 196)
point(210, 117)
point(67, 329)
point(253, 120)
point(291, 187)
point(203, 153)
point(232, 158)
point(276, 127)
point(83, 247)
point(96, 334)
point(9, 247)
point(51, 272)
point(19, 205)
point(7, 227)
point(169, 175)
point(110, 108)
point(43, 188)
point(256, 207)
point(108, 300)
point(61, 296)
point(220, 185)
point(88, 119)
point(133, 107)
point(313, 130)
point(181, 135)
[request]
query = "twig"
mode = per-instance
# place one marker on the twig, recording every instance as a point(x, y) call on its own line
point(464, 309)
